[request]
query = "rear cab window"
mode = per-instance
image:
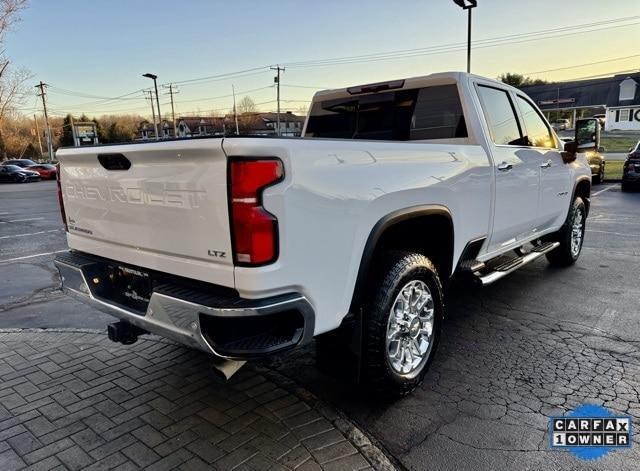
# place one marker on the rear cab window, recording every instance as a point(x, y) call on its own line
point(427, 113)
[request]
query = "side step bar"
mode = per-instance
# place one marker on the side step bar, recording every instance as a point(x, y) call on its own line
point(515, 263)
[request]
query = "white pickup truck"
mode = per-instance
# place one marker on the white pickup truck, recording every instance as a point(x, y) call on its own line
point(247, 246)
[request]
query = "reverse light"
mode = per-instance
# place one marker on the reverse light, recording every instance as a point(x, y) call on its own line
point(254, 230)
point(59, 185)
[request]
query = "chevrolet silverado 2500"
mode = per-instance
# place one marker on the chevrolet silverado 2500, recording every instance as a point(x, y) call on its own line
point(248, 246)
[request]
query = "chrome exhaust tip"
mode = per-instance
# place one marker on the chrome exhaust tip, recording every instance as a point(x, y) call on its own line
point(225, 369)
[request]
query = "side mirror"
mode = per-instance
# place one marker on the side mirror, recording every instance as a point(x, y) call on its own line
point(601, 150)
point(587, 134)
point(569, 153)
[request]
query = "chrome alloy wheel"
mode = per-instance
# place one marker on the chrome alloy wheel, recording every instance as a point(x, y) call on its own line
point(410, 329)
point(577, 232)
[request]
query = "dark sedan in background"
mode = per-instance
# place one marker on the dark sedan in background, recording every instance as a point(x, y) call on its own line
point(631, 169)
point(15, 174)
point(20, 162)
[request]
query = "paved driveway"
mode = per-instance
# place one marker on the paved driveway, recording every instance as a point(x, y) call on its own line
point(537, 343)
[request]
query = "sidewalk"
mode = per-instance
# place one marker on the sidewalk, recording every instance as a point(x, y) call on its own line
point(75, 400)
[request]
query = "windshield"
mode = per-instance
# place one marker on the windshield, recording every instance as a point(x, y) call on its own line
point(13, 168)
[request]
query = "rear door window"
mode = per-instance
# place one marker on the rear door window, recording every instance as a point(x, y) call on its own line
point(500, 115)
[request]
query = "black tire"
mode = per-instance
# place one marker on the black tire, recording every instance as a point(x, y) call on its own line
point(395, 270)
point(624, 186)
point(599, 178)
point(564, 256)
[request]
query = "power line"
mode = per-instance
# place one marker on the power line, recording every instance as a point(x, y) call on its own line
point(582, 65)
point(453, 47)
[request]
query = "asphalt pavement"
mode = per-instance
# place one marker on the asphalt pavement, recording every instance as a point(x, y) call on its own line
point(71, 399)
point(537, 343)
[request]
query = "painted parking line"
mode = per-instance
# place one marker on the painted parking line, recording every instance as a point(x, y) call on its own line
point(32, 256)
point(603, 190)
point(613, 233)
point(30, 234)
point(21, 220)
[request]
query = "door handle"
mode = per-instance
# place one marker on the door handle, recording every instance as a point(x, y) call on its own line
point(546, 164)
point(504, 166)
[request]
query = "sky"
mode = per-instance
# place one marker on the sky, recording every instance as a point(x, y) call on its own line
point(92, 52)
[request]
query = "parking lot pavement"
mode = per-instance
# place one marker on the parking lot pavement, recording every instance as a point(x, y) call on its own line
point(535, 344)
point(73, 400)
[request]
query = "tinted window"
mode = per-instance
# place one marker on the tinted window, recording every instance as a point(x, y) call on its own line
point(500, 116)
point(384, 116)
point(438, 114)
point(428, 113)
point(537, 132)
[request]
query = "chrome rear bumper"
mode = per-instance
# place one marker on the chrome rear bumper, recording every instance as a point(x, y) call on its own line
point(197, 319)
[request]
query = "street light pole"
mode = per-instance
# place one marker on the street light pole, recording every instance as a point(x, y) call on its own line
point(469, 42)
point(155, 84)
point(467, 5)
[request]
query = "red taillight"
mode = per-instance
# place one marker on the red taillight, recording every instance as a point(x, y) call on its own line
point(254, 229)
point(62, 213)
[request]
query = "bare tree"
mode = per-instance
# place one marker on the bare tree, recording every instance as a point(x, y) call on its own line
point(13, 90)
point(246, 105)
point(10, 14)
point(13, 83)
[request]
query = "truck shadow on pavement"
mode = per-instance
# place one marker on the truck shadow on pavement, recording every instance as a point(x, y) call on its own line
point(507, 361)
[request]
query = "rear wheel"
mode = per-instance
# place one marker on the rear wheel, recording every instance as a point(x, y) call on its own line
point(403, 323)
point(570, 236)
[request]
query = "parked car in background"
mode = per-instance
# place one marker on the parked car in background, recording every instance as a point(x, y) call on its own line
point(631, 169)
point(561, 124)
point(15, 174)
point(596, 162)
point(46, 171)
point(20, 162)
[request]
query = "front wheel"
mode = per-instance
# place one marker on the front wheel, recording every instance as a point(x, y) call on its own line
point(599, 178)
point(403, 323)
point(570, 236)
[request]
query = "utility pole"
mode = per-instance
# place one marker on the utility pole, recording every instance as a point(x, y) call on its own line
point(73, 132)
point(153, 111)
point(235, 113)
point(276, 79)
point(38, 133)
point(43, 95)
point(173, 113)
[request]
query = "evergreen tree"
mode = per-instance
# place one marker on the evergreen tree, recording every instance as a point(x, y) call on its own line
point(66, 140)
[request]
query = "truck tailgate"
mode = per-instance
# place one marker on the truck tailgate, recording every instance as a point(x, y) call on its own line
point(168, 211)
